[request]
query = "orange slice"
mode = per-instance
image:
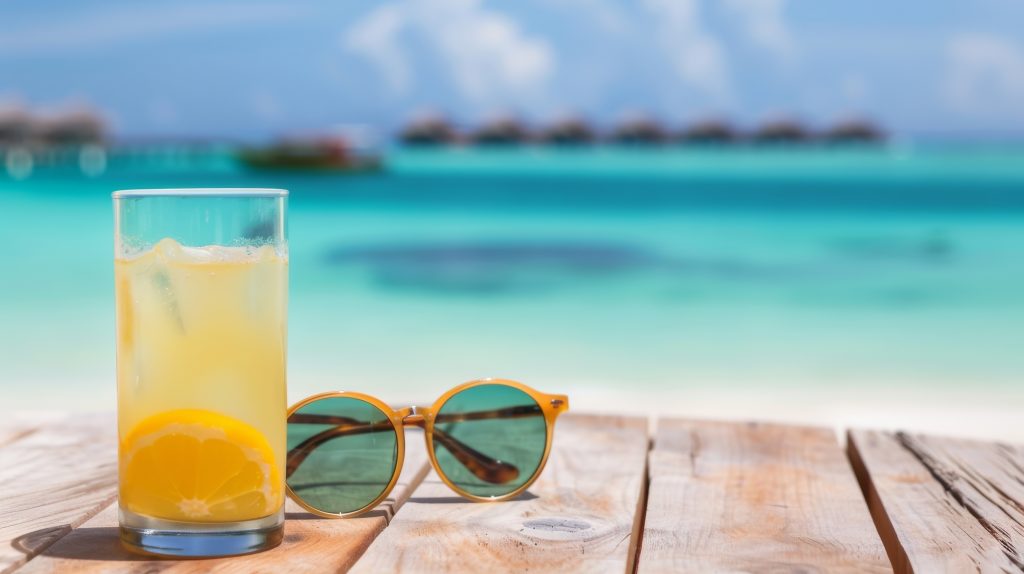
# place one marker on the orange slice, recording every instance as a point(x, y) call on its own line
point(198, 466)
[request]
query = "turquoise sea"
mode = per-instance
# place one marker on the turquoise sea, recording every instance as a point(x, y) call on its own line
point(605, 269)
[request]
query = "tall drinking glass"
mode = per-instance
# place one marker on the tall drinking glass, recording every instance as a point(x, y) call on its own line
point(202, 288)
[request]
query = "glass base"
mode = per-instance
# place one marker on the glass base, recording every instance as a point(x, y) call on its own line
point(153, 536)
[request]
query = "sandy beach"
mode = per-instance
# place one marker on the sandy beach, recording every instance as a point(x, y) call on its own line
point(991, 414)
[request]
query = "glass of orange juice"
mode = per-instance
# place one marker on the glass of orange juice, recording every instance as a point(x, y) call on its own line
point(202, 288)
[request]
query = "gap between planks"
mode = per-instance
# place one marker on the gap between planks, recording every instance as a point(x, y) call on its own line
point(637, 540)
point(943, 504)
point(754, 497)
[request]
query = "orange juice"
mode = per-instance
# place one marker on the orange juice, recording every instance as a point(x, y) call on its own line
point(201, 347)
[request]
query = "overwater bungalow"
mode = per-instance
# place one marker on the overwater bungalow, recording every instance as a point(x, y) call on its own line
point(781, 131)
point(709, 132)
point(502, 130)
point(72, 136)
point(429, 129)
point(639, 130)
point(854, 131)
point(568, 131)
point(15, 125)
point(73, 127)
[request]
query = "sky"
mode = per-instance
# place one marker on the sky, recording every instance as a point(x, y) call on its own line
point(258, 69)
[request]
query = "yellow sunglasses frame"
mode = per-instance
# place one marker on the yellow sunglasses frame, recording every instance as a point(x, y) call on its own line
point(423, 417)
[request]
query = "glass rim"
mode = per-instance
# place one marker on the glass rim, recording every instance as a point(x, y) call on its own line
point(201, 192)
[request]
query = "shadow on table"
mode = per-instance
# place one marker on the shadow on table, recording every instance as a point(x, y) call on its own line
point(308, 516)
point(383, 513)
point(104, 543)
point(86, 543)
point(456, 499)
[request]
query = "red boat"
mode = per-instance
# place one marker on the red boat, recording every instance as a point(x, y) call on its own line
point(324, 153)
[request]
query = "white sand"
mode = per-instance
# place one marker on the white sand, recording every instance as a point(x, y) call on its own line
point(990, 414)
point(964, 410)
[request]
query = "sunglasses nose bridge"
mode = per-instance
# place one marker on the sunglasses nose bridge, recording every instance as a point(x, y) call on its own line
point(415, 416)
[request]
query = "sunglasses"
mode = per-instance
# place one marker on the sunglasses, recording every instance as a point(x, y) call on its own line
point(488, 440)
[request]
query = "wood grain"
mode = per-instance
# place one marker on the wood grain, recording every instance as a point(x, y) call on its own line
point(754, 498)
point(19, 425)
point(943, 505)
point(51, 481)
point(11, 432)
point(310, 544)
point(578, 516)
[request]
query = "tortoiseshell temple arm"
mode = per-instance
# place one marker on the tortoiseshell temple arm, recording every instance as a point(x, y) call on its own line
point(508, 413)
point(345, 427)
point(481, 465)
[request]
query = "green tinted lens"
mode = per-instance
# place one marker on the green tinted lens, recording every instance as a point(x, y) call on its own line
point(489, 440)
point(342, 453)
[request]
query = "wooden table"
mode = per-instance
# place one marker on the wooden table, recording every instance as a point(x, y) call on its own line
point(697, 496)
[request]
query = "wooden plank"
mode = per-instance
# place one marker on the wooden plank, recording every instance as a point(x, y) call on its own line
point(53, 480)
point(578, 517)
point(10, 433)
point(310, 544)
point(943, 505)
point(754, 498)
point(19, 425)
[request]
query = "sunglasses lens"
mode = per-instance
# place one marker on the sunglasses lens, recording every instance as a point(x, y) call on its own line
point(489, 440)
point(342, 453)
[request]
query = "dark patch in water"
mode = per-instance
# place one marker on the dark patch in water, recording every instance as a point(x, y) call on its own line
point(529, 267)
point(574, 256)
point(492, 268)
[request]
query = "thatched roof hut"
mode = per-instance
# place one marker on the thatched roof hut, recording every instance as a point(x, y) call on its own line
point(75, 126)
point(709, 131)
point(568, 131)
point(639, 130)
point(854, 131)
point(781, 131)
point(428, 130)
point(502, 130)
point(15, 125)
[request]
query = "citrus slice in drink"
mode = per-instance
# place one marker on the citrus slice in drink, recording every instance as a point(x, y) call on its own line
point(195, 465)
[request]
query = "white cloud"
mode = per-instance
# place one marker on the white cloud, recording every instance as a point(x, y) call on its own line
point(985, 75)
point(696, 55)
point(376, 37)
point(490, 58)
point(763, 23)
point(103, 28)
